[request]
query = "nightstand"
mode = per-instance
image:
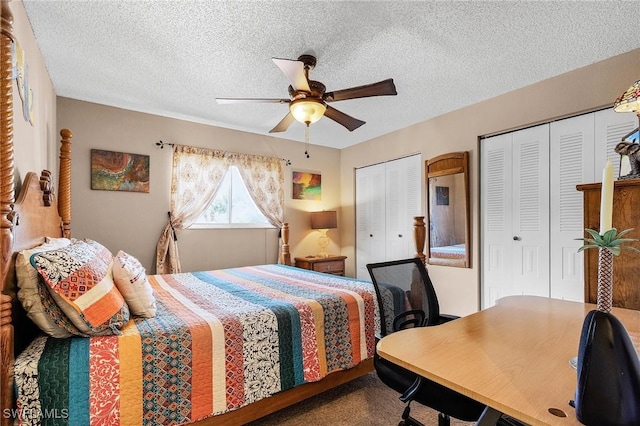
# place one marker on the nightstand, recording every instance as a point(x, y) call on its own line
point(329, 265)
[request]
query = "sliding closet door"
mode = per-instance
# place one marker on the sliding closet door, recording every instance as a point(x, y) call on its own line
point(403, 202)
point(572, 163)
point(388, 196)
point(496, 200)
point(515, 207)
point(370, 217)
point(531, 211)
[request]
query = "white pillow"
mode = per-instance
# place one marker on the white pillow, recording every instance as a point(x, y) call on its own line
point(28, 293)
point(131, 279)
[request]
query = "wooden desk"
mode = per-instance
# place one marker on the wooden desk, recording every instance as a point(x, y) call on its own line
point(513, 357)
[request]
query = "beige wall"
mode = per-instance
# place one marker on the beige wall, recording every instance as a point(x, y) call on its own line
point(132, 221)
point(588, 88)
point(35, 144)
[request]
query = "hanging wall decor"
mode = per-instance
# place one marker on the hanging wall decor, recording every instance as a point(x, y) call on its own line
point(306, 186)
point(119, 171)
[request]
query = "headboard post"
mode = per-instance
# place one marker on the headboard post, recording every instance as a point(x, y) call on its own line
point(64, 182)
point(419, 237)
point(285, 255)
point(7, 198)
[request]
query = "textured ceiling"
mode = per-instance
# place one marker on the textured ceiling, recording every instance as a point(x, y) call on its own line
point(173, 58)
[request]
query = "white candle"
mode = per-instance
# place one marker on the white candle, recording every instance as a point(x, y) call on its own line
point(606, 199)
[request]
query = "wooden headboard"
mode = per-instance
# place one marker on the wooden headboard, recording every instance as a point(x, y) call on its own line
point(25, 220)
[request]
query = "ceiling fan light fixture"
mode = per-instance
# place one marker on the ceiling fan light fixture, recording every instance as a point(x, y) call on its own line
point(307, 111)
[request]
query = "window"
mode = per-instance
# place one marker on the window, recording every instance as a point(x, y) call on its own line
point(232, 206)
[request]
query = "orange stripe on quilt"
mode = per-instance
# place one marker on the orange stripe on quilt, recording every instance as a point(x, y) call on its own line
point(208, 390)
point(228, 345)
point(129, 347)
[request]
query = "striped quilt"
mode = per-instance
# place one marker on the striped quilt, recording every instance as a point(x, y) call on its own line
point(220, 340)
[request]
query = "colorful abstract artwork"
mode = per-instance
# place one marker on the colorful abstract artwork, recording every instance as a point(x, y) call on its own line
point(306, 186)
point(119, 171)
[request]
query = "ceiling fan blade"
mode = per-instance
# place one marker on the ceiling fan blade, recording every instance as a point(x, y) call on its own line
point(251, 101)
point(342, 118)
point(294, 71)
point(381, 88)
point(284, 124)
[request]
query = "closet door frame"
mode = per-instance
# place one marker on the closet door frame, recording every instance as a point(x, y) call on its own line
point(384, 223)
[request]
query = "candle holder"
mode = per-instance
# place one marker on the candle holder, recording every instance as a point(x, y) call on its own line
point(605, 280)
point(608, 244)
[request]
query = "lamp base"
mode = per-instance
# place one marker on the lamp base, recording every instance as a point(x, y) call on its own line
point(323, 242)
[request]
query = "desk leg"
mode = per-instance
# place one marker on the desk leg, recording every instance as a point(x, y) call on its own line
point(489, 417)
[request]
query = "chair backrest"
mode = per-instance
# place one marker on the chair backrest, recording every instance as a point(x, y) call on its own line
point(411, 276)
point(608, 390)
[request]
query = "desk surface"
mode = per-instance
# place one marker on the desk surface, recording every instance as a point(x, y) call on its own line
point(513, 357)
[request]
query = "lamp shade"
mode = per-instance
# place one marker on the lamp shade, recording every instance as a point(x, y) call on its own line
point(307, 110)
point(629, 101)
point(324, 220)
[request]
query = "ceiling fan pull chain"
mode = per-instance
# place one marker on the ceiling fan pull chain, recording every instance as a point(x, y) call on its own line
point(306, 140)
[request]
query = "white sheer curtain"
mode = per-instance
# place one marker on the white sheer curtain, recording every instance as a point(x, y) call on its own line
point(264, 179)
point(196, 176)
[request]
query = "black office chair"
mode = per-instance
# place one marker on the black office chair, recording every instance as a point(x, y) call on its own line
point(411, 275)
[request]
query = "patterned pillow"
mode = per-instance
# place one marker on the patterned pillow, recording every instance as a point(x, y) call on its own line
point(38, 304)
point(131, 279)
point(79, 278)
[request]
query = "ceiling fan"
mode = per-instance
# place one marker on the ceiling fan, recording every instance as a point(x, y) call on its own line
point(309, 99)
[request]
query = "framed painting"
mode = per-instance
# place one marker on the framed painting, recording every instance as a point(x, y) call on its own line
point(119, 171)
point(306, 186)
point(442, 195)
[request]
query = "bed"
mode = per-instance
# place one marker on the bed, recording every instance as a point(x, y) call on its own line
point(186, 364)
point(457, 251)
point(224, 347)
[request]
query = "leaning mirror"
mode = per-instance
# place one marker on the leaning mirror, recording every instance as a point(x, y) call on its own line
point(448, 210)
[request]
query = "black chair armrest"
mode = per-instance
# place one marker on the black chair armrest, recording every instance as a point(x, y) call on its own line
point(413, 318)
point(446, 318)
point(409, 394)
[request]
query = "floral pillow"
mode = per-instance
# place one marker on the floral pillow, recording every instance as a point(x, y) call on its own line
point(35, 299)
point(131, 279)
point(80, 281)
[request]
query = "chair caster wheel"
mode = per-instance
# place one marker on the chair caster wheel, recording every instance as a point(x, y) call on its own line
point(401, 423)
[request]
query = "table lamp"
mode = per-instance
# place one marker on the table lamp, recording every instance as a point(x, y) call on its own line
point(323, 221)
point(629, 101)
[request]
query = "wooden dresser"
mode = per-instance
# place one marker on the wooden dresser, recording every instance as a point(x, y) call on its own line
point(626, 267)
point(330, 265)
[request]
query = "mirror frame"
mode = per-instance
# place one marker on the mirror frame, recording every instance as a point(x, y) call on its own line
point(443, 165)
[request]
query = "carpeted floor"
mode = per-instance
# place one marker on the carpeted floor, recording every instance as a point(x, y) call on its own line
point(363, 402)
